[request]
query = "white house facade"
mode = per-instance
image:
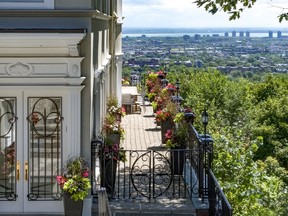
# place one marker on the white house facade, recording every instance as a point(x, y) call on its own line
point(59, 61)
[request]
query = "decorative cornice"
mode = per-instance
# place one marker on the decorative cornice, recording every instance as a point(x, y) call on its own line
point(55, 13)
point(40, 44)
point(27, 81)
point(41, 67)
point(48, 13)
point(19, 69)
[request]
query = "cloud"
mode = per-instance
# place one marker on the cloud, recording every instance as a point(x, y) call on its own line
point(141, 2)
point(183, 13)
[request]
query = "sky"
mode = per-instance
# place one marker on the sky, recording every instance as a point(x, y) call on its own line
point(185, 14)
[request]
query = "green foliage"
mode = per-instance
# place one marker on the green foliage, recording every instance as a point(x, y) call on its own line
point(78, 191)
point(176, 137)
point(233, 8)
point(283, 16)
point(112, 101)
point(249, 123)
point(74, 179)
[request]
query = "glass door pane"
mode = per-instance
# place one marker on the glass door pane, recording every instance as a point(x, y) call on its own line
point(8, 165)
point(45, 141)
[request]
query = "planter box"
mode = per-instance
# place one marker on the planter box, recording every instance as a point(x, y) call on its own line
point(72, 207)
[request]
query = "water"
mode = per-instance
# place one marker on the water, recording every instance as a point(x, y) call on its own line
point(166, 32)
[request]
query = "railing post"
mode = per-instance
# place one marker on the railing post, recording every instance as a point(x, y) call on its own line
point(211, 195)
point(205, 163)
point(201, 169)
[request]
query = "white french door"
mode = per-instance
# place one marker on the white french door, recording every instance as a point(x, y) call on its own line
point(31, 145)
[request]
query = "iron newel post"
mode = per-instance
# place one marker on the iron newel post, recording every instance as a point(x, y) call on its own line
point(206, 154)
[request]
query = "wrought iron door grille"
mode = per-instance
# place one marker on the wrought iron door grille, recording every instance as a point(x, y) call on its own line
point(45, 138)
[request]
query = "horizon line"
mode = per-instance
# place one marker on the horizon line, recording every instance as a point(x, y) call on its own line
point(203, 27)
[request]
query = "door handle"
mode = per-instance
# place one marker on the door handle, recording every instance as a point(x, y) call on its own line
point(26, 170)
point(18, 171)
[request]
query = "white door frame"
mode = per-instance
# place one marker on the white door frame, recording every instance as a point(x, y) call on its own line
point(70, 140)
point(42, 64)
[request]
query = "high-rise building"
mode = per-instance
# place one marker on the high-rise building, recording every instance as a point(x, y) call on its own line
point(241, 34)
point(279, 34)
point(270, 33)
point(247, 34)
point(186, 37)
point(233, 33)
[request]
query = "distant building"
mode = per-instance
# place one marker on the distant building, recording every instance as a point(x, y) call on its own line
point(197, 36)
point(226, 34)
point(247, 34)
point(270, 34)
point(279, 34)
point(198, 63)
point(241, 34)
point(233, 33)
point(188, 63)
point(186, 37)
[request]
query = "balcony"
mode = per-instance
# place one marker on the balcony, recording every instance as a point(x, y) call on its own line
point(148, 183)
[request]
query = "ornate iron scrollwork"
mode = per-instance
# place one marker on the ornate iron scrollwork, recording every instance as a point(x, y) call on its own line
point(11, 196)
point(45, 137)
point(150, 174)
point(8, 148)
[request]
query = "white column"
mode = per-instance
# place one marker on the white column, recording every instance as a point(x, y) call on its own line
point(72, 119)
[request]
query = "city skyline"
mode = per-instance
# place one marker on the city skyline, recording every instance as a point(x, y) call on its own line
point(185, 14)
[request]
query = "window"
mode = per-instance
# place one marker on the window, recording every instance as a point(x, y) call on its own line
point(26, 4)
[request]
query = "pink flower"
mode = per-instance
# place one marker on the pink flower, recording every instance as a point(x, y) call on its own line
point(168, 134)
point(61, 180)
point(85, 174)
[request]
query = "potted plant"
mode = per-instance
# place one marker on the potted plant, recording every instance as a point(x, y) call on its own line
point(118, 112)
point(112, 128)
point(113, 133)
point(75, 183)
point(112, 121)
point(176, 142)
point(113, 109)
point(111, 154)
point(166, 116)
point(189, 115)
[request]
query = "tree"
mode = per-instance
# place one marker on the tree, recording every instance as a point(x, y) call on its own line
point(248, 122)
point(234, 8)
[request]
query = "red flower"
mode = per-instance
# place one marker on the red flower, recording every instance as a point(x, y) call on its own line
point(85, 173)
point(61, 180)
point(168, 134)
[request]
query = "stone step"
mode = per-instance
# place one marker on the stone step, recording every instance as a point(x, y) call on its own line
point(153, 214)
point(160, 207)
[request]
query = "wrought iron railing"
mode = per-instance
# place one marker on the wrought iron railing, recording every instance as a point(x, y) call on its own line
point(148, 174)
point(204, 144)
point(218, 203)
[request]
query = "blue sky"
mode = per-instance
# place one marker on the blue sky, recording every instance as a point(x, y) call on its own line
point(185, 14)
